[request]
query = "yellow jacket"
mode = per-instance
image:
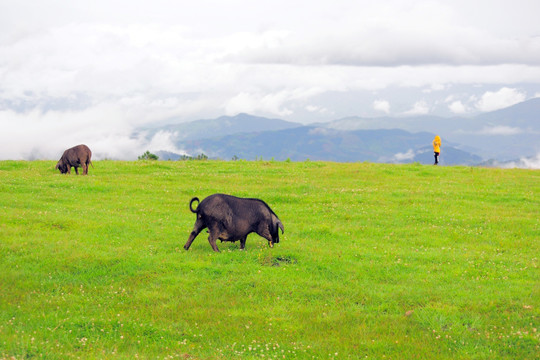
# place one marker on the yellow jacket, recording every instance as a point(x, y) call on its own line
point(437, 144)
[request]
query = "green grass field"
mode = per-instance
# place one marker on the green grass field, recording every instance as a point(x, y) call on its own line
point(377, 261)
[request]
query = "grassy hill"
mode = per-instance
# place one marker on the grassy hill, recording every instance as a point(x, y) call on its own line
point(377, 260)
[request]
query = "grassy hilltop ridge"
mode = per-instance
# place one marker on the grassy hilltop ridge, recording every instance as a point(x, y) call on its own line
point(377, 260)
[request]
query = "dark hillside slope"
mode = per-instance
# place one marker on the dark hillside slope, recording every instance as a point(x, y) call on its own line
point(316, 143)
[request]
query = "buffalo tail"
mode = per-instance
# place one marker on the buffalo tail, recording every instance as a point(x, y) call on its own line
point(191, 202)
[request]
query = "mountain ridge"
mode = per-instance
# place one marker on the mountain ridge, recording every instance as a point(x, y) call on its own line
point(501, 135)
point(223, 125)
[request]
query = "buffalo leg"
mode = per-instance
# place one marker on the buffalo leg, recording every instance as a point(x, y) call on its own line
point(196, 230)
point(243, 243)
point(76, 170)
point(265, 233)
point(212, 238)
point(85, 169)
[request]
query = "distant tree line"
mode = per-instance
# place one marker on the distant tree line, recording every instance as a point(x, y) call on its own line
point(198, 157)
point(149, 156)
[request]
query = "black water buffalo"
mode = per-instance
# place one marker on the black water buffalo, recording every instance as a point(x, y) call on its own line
point(229, 218)
point(76, 156)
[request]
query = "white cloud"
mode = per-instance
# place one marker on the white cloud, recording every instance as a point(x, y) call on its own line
point(433, 88)
point(246, 102)
point(500, 130)
point(316, 109)
point(409, 155)
point(449, 98)
point(268, 103)
point(419, 108)
point(105, 129)
point(531, 163)
point(383, 35)
point(523, 163)
point(164, 140)
point(382, 105)
point(137, 62)
point(457, 107)
point(505, 97)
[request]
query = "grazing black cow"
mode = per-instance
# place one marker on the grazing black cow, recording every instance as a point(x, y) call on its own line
point(76, 156)
point(229, 218)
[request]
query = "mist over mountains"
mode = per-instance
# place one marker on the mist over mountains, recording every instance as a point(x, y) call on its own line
point(508, 136)
point(504, 135)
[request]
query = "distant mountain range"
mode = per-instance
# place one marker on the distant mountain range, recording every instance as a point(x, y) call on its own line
point(505, 134)
point(508, 134)
point(224, 125)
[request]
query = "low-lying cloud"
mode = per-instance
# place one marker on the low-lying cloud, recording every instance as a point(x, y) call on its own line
point(501, 130)
point(532, 163)
point(36, 135)
point(409, 155)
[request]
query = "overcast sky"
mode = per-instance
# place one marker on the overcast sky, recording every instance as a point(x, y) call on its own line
point(93, 71)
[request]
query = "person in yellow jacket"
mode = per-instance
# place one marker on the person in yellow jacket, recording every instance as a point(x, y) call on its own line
point(437, 148)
